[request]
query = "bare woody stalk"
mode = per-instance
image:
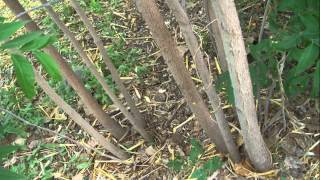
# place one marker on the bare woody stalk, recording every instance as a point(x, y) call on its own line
point(205, 76)
point(78, 119)
point(94, 71)
point(70, 76)
point(174, 60)
point(115, 75)
point(215, 34)
point(234, 48)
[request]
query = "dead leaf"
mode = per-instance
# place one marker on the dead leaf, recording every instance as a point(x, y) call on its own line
point(147, 99)
point(241, 170)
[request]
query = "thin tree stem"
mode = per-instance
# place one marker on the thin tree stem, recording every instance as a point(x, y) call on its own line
point(205, 76)
point(174, 60)
point(70, 76)
point(78, 119)
point(94, 71)
point(115, 75)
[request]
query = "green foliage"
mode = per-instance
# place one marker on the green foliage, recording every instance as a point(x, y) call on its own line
point(176, 164)
point(24, 73)
point(32, 41)
point(196, 151)
point(6, 150)
point(95, 6)
point(20, 40)
point(38, 43)
point(49, 64)
point(307, 58)
point(205, 168)
point(297, 36)
point(7, 29)
point(5, 173)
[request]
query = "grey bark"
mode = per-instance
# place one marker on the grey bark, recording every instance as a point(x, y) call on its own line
point(215, 34)
point(234, 49)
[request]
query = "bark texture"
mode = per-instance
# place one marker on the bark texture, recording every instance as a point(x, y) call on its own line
point(115, 75)
point(174, 60)
point(70, 76)
point(234, 49)
point(76, 44)
point(205, 75)
point(106, 144)
point(215, 34)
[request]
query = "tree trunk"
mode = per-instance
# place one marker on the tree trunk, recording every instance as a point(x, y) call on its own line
point(205, 76)
point(215, 34)
point(78, 119)
point(115, 75)
point(234, 49)
point(70, 76)
point(174, 60)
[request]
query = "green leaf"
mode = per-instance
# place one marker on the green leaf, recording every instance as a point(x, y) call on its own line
point(261, 50)
point(7, 29)
point(307, 58)
point(259, 74)
point(295, 85)
point(224, 81)
point(176, 164)
point(292, 5)
point(24, 74)
point(49, 64)
point(310, 22)
point(83, 165)
point(21, 40)
point(213, 164)
point(287, 42)
point(316, 81)
point(196, 151)
point(8, 175)
point(200, 174)
point(2, 19)
point(37, 43)
point(5, 150)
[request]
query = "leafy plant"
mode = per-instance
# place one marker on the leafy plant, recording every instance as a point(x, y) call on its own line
point(95, 6)
point(295, 33)
point(28, 42)
point(5, 173)
point(204, 168)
